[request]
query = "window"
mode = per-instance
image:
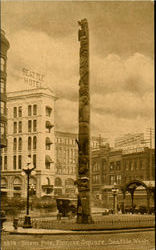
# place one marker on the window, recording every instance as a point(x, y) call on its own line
point(5, 162)
point(48, 125)
point(2, 64)
point(48, 111)
point(20, 111)
point(15, 127)
point(29, 110)
point(19, 162)
point(34, 125)
point(58, 191)
point(34, 142)
point(2, 86)
point(2, 108)
point(58, 182)
point(29, 125)
point(14, 162)
point(48, 143)
point(34, 161)
point(20, 127)
point(118, 165)
point(5, 149)
point(118, 179)
point(15, 144)
point(112, 179)
point(104, 165)
point(111, 165)
point(20, 144)
point(96, 179)
point(47, 165)
point(2, 132)
point(69, 182)
point(15, 112)
point(29, 143)
point(140, 164)
point(35, 109)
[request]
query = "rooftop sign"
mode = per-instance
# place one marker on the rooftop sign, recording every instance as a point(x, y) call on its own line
point(33, 79)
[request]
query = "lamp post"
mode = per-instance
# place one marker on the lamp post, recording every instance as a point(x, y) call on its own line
point(115, 192)
point(28, 170)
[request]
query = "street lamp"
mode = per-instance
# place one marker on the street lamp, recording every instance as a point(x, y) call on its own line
point(115, 192)
point(28, 169)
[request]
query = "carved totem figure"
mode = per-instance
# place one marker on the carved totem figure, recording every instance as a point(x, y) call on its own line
point(83, 181)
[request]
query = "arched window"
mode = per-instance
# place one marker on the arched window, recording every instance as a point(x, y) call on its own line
point(15, 144)
point(58, 182)
point(29, 143)
point(34, 142)
point(20, 143)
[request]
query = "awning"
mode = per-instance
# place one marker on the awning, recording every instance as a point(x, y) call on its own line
point(48, 124)
point(48, 107)
point(48, 141)
point(48, 159)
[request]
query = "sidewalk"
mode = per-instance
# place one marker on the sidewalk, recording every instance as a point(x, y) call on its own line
point(8, 228)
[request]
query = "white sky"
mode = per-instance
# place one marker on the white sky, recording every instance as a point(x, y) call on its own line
point(43, 36)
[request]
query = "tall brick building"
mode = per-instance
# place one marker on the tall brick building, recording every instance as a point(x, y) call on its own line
point(3, 78)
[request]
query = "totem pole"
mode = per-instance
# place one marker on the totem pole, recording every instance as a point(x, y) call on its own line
point(83, 180)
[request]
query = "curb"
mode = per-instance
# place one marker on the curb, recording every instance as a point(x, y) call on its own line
point(83, 232)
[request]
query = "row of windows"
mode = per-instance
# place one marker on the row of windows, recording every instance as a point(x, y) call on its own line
point(115, 165)
point(32, 126)
point(17, 161)
point(68, 182)
point(115, 179)
point(32, 143)
point(96, 179)
point(65, 170)
point(67, 156)
point(137, 164)
point(17, 126)
point(66, 141)
point(32, 109)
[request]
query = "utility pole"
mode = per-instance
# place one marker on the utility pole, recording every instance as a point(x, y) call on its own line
point(150, 132)
point(83, 180)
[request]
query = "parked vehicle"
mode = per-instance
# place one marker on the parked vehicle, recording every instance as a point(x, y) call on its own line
point(67, 207)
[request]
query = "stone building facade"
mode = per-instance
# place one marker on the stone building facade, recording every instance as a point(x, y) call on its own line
point(30, 133)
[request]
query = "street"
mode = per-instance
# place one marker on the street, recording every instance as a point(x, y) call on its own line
point(111, 241)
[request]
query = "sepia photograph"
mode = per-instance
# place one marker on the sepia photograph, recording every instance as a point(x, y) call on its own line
point(77, 125)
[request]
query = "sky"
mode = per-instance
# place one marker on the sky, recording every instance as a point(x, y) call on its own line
point(43, 37)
